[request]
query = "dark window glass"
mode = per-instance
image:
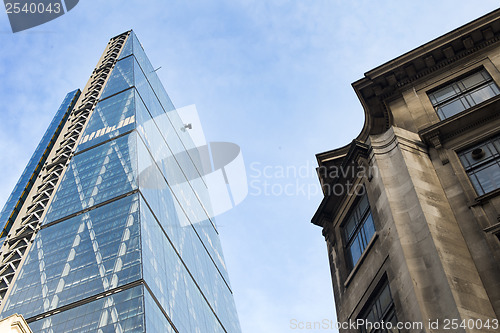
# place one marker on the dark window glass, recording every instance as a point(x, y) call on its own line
point(358, 231)
point(380, 308)
point(464, 93)
point(482, 164)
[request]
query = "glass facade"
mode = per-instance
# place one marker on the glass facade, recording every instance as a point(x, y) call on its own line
point(83, 256)
point(120, 312)
point(23, 186)
point(127, 244)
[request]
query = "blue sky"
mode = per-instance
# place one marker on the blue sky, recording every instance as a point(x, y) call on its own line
point(272, 76)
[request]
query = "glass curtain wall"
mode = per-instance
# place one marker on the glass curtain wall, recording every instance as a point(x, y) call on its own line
point(127, 244)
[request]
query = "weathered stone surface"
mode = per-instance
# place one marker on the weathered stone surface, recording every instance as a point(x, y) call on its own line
point(437, 241)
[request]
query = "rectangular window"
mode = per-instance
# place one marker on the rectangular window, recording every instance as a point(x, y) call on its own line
point(482, 164)
point(380, 308)
point(358, 230)
point(463, 94)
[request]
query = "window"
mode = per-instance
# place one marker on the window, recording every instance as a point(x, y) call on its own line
point(482, 164)
point(463, 94)
point(358, 230)
point(380, 308)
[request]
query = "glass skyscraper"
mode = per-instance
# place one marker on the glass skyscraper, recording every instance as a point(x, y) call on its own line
point(109, 228)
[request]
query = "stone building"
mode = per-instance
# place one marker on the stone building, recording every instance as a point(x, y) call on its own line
point(14, 324)
point(411, 212)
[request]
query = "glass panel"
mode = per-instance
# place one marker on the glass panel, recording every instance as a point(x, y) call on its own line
point(369, 228)
point(146, 93)
point(198, 257)
point(176, 171)
point(175, 174)
point(176, 290)
point(120, 312)
point(482, 94)
point(465, 160)
point(140, 55)
point(355, 250)
point(94, 176)
point(372, 315)
point(359, 229)
point(452, 108)
point(111, 117)
point(350, 227)
point(496, 143)
point(495, 88)
point(385, 299)
point(469, 161)
point(127, 48)
point(363, 205)
point(483, 170)
point(475, 79)
point(121, 77)
point(79, 257)
point(381, 308)
point(488, 177)
point(489, 151)
point(180, 156)
point(462, 94)
point(155, 320)
point(170, 124)
point(145, 81)
point(391, 317)
point(445, 93)
point(32, 169)
point(476, 184)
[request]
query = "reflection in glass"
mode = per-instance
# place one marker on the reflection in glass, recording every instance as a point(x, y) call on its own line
point(358, 230)
point(463, 94)
point(95, 176)
point(482, 164)
point(120, 312)
point(79, 257)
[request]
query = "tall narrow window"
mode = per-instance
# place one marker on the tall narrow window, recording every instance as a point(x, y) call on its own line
point(464, 93)
point(358, 230)
point(482, 164)
point(380, 308)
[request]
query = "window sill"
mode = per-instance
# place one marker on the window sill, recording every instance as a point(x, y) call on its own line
point(485, 198)
point(479, 115)
point(361, 259)
point(494, 229)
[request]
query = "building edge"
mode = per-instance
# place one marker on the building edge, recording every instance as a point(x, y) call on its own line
point(406, 159)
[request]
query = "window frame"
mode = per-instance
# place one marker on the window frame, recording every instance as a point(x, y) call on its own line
point(351, 236)
point(388, 313)
point(464, 94)
point(490, 158)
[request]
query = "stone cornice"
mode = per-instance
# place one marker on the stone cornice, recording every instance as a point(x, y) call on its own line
point(386, 81)
point(438, 134)
point(353, 157)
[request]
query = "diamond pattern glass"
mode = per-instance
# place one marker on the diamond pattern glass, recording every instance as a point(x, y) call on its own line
point(120, 312)
point(127, 244)
point(95, 176)
point(79, 257)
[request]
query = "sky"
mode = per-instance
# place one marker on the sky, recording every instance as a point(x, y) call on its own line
point(273, 77)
